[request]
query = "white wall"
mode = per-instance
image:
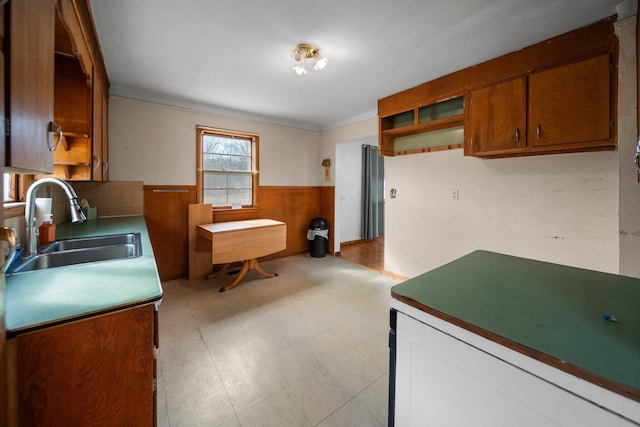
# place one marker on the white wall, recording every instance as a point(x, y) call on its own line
point(156, 143)
point(558, 208)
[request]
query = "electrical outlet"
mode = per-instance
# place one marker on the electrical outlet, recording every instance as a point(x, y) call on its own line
point(455, 194)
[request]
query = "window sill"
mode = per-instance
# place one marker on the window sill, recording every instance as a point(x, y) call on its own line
point(13, 209)
point(251, 209)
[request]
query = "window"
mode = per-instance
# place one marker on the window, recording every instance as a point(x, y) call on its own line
point(227, 168)
point(14, 187)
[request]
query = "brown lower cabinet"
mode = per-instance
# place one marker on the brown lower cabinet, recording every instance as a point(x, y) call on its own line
point(99, 371)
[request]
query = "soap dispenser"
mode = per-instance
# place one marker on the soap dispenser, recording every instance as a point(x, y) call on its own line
point(47, 230)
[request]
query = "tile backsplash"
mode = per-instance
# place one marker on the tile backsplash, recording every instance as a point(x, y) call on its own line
point(113, 198)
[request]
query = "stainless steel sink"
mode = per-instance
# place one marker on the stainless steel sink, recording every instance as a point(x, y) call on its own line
point(83, 250)
point(92, 242)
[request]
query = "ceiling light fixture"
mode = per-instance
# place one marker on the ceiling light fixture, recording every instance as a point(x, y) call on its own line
point(304, 51)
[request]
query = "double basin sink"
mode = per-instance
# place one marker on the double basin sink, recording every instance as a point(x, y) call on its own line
point(82, 250)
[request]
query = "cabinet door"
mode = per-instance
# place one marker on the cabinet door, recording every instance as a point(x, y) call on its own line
point(97, 371)
point(571, 104)
point(72, 111)
point(30, 35)
point(99, 136)
point(443, 381)
point(497, 117)
point(105, 133)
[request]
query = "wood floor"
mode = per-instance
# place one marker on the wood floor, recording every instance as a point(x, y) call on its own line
point(366, 253)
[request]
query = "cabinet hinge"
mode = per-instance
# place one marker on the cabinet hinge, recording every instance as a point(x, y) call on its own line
point(155, 385)
point(610, 124)
point(7, 126)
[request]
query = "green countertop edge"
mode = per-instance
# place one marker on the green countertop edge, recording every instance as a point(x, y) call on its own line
point(47, 297)
point(551, 309)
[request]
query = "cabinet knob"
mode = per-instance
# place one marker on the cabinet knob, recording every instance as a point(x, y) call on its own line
point(96, 161)
point(54, 127)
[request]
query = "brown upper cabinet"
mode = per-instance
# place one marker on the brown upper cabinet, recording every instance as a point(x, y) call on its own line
point(81, 95)
point(553, 97)
point(571, 104)
point(57, 91)
point(72, 111)
point(565, 108)
point(29, 46)
point(498, 117)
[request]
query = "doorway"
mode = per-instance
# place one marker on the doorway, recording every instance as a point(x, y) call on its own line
point(349, 198)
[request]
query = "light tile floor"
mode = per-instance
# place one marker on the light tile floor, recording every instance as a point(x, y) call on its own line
point(305, 348)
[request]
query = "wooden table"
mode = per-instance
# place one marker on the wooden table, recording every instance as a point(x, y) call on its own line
point(245, 241)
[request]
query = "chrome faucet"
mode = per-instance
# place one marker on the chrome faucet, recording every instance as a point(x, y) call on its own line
point(30, 243)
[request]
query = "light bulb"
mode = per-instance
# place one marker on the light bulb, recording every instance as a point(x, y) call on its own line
point(321, 63)
point(299, 68)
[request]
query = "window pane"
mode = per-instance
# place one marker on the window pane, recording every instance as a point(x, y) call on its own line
point(215, 180)
point(227, 197)
point(221, 145)
point(442, 109)
point(222, 180)
point(216, 197)
point(240, 181)
point(223, 162)
point(240, 196)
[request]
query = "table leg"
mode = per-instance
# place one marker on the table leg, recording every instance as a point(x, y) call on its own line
point(256, 266)
point(250, 264)
point(243, 272)
point(215, 273)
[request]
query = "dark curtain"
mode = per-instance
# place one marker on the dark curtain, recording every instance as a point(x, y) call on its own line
point(372, 193)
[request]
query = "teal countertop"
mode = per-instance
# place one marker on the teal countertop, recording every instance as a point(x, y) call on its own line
point(56, 295)
point(551, 312)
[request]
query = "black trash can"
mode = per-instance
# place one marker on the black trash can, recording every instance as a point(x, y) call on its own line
point(318, 236)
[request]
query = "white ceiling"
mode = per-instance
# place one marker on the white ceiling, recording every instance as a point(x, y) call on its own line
point(232, 56)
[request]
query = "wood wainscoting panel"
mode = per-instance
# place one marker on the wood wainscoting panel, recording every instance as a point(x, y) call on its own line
point(297, 206)
point(166, 210)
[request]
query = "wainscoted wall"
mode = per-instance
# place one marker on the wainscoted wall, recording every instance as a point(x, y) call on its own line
point(166, 212)
point(297, 206)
